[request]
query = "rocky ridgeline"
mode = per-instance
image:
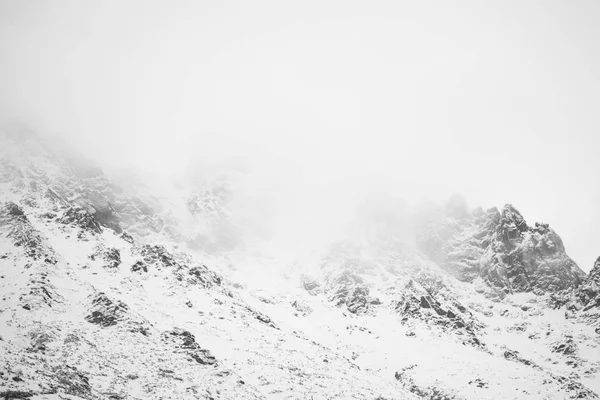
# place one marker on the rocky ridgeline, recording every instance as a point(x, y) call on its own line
point(182, 266)
point(353, 276)
point(76, 191)
point(503, 250)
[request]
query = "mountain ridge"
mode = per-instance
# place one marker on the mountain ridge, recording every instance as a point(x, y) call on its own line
point(103, 299)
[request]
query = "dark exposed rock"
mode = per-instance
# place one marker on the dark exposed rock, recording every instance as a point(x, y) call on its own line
point(183, 267)
point(566, 346)
point(15, 394)
point(480, 383)
point(201, 275)
point(81, 218)
point(104, 214)
point(156, 255)
point(72, 381)
point(39, 341)
point(186, 342)
point(106, 312)
point(515, 356)
point(559, 299)
point(261, 317)
point(139, 266)
point(24, 235)
point(41, 293)
point(111, 256)
point(14, 210)
point(416, 303)
point(127, 237)
point(349, 289)
point(578, 391)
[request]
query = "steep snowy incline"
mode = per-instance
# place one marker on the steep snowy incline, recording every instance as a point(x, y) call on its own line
point(92, 315)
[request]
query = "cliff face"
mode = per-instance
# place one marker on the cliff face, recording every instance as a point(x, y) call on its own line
point(504, 251)
point(589, 292)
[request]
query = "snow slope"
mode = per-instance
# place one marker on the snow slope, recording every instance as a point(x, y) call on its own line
point(98, 301)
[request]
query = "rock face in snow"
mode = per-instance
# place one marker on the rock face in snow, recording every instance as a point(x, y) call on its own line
point(347, 289)
point(589, 292)
point(19, 229)
point(106, 312)
point(186, 342)
point(431, 306)
point(501, 248)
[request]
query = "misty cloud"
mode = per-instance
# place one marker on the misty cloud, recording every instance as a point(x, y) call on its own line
point(323, 107)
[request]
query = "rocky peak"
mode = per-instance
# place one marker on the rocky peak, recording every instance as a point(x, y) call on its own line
point(512, 224)
point(501, 248)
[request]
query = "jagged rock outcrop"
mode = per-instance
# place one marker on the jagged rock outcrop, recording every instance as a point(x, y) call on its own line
point(186, 343)
point(417, 302)
point(344, 279)
point(40, 293)
point(515, 356)
point(110, 257)
point(155, 255)
point(105, 311)
point(501, 248)
point(458, 245)
point(348, 289)
point(79, 191)
point(81, 218)
point(589, 292)
point(182, 266)
point(23, 235)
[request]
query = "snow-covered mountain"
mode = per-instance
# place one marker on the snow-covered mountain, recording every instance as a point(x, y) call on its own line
point(119, 291)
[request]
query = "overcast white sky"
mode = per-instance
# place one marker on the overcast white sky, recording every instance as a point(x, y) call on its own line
point(498, 101)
